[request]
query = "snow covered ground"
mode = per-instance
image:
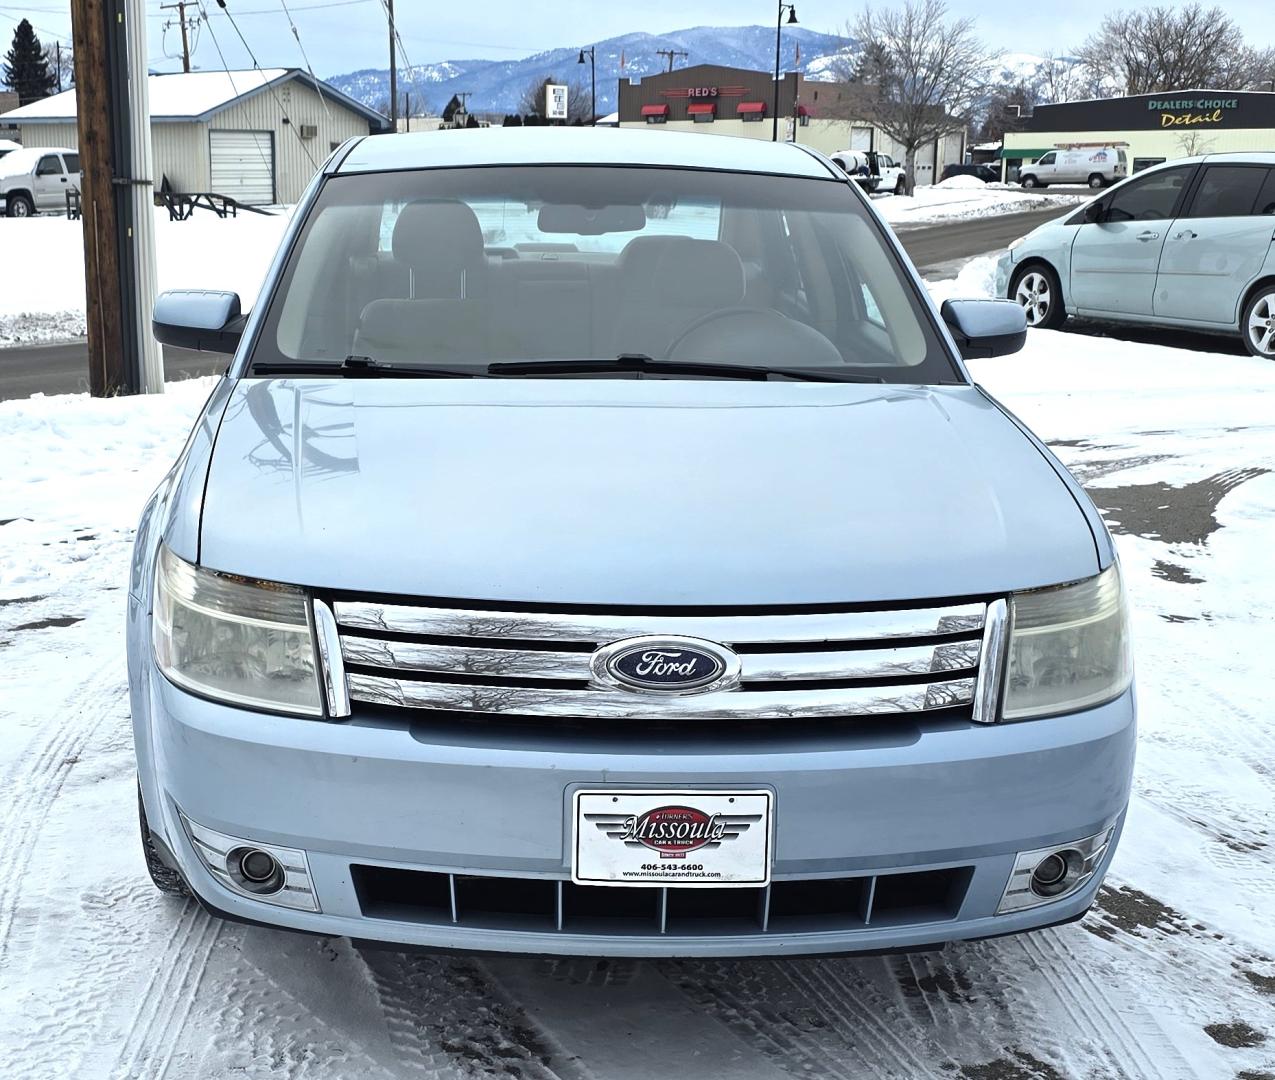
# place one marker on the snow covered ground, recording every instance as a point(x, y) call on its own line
point(951, 201)
point(1171, 975)
point(42, 266)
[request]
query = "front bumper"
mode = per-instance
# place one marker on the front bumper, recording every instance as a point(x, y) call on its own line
point(374, 792)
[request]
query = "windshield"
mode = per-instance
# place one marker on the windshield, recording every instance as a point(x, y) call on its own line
point(463, 268)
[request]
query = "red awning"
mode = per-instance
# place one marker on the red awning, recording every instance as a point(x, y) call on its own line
point(751, 107)
point(655, 110)
point(701, 108)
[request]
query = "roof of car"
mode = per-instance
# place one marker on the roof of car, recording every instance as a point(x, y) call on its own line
point(24, 160)
point(579, 146)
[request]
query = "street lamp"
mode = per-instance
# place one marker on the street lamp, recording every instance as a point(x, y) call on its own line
point(593, 84)
point(779, 25)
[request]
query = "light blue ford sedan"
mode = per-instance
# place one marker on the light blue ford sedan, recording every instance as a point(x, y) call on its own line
point(597, 546)
point(1190, 243)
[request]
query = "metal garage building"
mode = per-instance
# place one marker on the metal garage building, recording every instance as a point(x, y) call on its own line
point(256, 136)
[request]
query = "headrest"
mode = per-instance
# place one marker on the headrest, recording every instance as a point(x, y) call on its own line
point(700, 273)
point(441, 240)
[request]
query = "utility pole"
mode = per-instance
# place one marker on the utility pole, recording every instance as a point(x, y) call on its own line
point(389, 10)
point(180, 8)
point(109, 37)
point(672, 55)
point(57, 45)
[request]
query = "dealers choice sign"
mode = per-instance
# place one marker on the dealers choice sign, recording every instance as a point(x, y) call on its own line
point(1192, 112)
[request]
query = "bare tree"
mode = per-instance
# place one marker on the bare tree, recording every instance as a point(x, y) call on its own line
point(919, 76)
point(532, 102)
point(61, 63)
point(1160, 49)
point(1194, 143)
point(1068, 78)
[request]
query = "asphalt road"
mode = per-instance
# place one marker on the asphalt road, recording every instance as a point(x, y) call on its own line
point(63, 368)
point(934, 247)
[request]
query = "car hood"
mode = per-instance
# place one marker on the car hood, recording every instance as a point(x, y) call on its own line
point(635, 492)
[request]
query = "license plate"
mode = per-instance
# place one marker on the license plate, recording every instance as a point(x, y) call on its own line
point(662, 837)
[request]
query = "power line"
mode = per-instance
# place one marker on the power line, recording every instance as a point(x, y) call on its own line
point(270, 89)
point(297, 34)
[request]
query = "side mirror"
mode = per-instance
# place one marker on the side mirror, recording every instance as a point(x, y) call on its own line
point(199, 319)
point(1095, 212)
point(985, 328)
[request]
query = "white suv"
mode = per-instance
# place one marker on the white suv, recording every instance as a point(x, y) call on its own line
point(36, 179)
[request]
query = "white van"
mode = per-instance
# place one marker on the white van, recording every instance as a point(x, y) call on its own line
point(1096, 166)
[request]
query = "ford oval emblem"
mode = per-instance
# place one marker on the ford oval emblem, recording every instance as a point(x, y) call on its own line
point(665, 665)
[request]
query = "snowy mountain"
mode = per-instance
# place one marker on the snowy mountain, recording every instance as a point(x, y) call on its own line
point(496, 86)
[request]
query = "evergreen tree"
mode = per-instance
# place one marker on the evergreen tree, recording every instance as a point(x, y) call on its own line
point(25, 68)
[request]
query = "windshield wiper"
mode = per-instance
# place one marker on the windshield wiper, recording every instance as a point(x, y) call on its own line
point(641, 363)
point(364, 367)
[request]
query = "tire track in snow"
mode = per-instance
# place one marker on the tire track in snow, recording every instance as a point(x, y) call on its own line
point(448, 1019)
point(165, 1002)
point(1098, 1012)
point(36, 782)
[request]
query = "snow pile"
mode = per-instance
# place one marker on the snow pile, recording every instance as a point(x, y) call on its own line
point(976, 280)
point(42, 266)
point(963, 180)
point(952, 202)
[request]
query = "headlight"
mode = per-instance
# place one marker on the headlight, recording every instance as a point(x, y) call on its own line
point(1068, 647)
point(234, 639)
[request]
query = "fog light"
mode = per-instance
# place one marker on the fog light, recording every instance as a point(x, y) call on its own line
point(265, 872)
point(1048, 874)
point(255, 870)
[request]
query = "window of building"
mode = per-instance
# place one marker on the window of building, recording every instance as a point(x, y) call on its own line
point(702, 112)
point(1227, 191)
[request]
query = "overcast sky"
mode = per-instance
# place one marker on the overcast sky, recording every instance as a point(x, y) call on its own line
point(343, 35)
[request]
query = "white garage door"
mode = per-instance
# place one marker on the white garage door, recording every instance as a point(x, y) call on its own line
point(243, 165)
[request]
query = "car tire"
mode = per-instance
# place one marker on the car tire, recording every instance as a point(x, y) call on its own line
point(1030, 181)
point(1258, 322)
point(166, 879)
point(1037, 290)
point(20, 206)
point(1096, 182)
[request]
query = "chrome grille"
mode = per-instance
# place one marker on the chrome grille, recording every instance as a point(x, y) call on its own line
point(537, 663)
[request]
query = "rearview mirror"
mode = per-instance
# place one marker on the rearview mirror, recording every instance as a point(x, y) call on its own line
point(199, 319)
point(590, 220)
point(1094, 212)
point(985, 328)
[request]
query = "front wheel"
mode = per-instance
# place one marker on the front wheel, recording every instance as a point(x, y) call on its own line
point(1031, 182)
point(166, 879)
point(20, 206)
point(1037, 290)
point(1096, 181)
point(1259, 323)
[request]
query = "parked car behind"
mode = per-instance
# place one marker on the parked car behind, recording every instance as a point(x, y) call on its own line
point(35, 180)
point(1187, 243)
point(611, 602)
point(854, 163)
point(1097, 167)
point(989, 174)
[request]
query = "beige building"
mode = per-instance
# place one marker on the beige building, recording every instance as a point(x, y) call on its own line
point(255, 136)
point(1150, 127)
point(741, 102)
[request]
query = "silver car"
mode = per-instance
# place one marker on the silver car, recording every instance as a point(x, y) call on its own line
point(597, 546)
point(1190, 243)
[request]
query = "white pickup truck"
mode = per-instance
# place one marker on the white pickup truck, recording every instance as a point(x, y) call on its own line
point(36, 179)
point(874, 172)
